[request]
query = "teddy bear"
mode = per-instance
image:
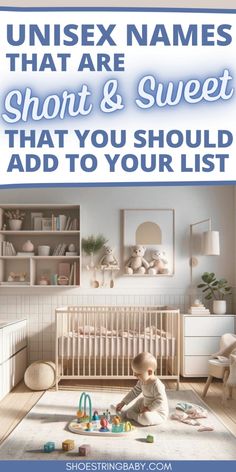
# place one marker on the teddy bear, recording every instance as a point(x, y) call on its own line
point(136, 263)
point(108, 259)
point(158, 264)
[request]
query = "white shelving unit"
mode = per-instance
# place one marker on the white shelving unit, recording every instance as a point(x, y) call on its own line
point(35, 266)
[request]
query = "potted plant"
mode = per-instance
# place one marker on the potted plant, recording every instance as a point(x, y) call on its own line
point(93, 244)
point(15, 219)
point(215, 290)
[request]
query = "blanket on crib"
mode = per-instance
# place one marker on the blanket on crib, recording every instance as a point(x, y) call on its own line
point(103, 331)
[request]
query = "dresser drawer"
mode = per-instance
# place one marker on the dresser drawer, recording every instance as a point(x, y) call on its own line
point(208, 326)
point(203, 346)
point(196, 366)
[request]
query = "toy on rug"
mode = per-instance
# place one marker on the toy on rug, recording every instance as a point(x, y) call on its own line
point(150, 438)
point(68, 445)
point(84, 450)
point(87, 423)
point(49, 446)
point(82, 413)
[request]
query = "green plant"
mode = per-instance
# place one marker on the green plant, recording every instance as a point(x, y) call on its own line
point(213, 288)
point(93, 244)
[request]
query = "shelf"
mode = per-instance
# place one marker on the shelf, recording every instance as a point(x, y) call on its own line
point(39, 233)
point(38, 221)
point(39, 257)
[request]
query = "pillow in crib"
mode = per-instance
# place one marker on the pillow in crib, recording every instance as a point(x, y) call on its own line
point(87, 329)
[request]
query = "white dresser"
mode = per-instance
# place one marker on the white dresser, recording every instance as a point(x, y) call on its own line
point(200, 337)
point(13, 353)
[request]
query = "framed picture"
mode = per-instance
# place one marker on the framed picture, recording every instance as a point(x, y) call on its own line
point(154, 231)
point(36, 220)
point(46, 224)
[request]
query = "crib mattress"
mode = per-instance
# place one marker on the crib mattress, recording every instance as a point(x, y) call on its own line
point(72, 346)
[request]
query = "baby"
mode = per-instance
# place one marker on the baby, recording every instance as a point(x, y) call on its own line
point(152, 407)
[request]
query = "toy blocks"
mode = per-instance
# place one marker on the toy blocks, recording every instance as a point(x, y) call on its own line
point(84, 449)
point(68, 445)
point(150, 438)
point(49, 446)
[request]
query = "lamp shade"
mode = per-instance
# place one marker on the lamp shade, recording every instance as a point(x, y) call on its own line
point(211, 243)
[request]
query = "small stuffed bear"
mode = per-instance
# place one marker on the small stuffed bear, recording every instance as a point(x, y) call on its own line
point(108, 259)
point(136, 263)
point(158, 264)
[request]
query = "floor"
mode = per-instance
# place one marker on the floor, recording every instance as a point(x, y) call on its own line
point(25, 399)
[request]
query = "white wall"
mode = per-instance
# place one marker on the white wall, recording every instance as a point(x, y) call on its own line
point(100, 212)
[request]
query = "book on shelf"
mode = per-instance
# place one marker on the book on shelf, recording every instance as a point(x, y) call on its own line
point(7, 249)
point(199, 310)
point(71, 253)
point(25, 254)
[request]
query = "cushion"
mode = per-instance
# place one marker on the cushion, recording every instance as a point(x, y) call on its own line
point(231, 382)
point(40, 375)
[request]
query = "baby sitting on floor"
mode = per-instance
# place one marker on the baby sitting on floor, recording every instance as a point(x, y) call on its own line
point(152, 407)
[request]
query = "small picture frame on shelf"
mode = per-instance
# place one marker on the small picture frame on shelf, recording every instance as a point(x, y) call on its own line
point(36, 220)
point(46, 224)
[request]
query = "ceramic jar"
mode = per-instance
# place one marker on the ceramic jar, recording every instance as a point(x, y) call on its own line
point(28, 246)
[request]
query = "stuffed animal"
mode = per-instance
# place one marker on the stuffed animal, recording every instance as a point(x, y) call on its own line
point(158, 264)
point(136, 263)
point(108, 259)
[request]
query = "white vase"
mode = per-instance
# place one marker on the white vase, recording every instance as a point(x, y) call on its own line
point(28, 246)
point(15, 225)
point(219, 307)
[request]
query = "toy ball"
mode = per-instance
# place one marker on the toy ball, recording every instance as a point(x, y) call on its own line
point(103, 422)
point(116, 420)
point(80, 414)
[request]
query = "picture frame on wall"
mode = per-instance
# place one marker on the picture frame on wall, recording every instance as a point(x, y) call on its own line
point(154, 230)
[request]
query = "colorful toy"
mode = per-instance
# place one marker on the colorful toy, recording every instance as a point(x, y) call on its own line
point(95, 416)
point(49, 446)
point(68, 445)
point(150, 438)
point(104, 424)
point(81, 413)
point(117, 428)
point(84, 450)
point(116, 420)
point(89, 427)
point(93, 425)
point(128, 426)
point(107, 415)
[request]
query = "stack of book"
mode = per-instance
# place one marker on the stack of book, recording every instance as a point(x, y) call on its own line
point(7, 249)
point(199, 309)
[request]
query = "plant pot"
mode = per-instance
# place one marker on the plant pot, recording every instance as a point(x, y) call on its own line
point(15, 225)
point(219, 307)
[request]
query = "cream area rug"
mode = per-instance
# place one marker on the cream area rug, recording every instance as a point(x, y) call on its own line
point(49, 419)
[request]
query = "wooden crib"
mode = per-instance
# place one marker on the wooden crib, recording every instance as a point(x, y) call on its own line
point(100, 341)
